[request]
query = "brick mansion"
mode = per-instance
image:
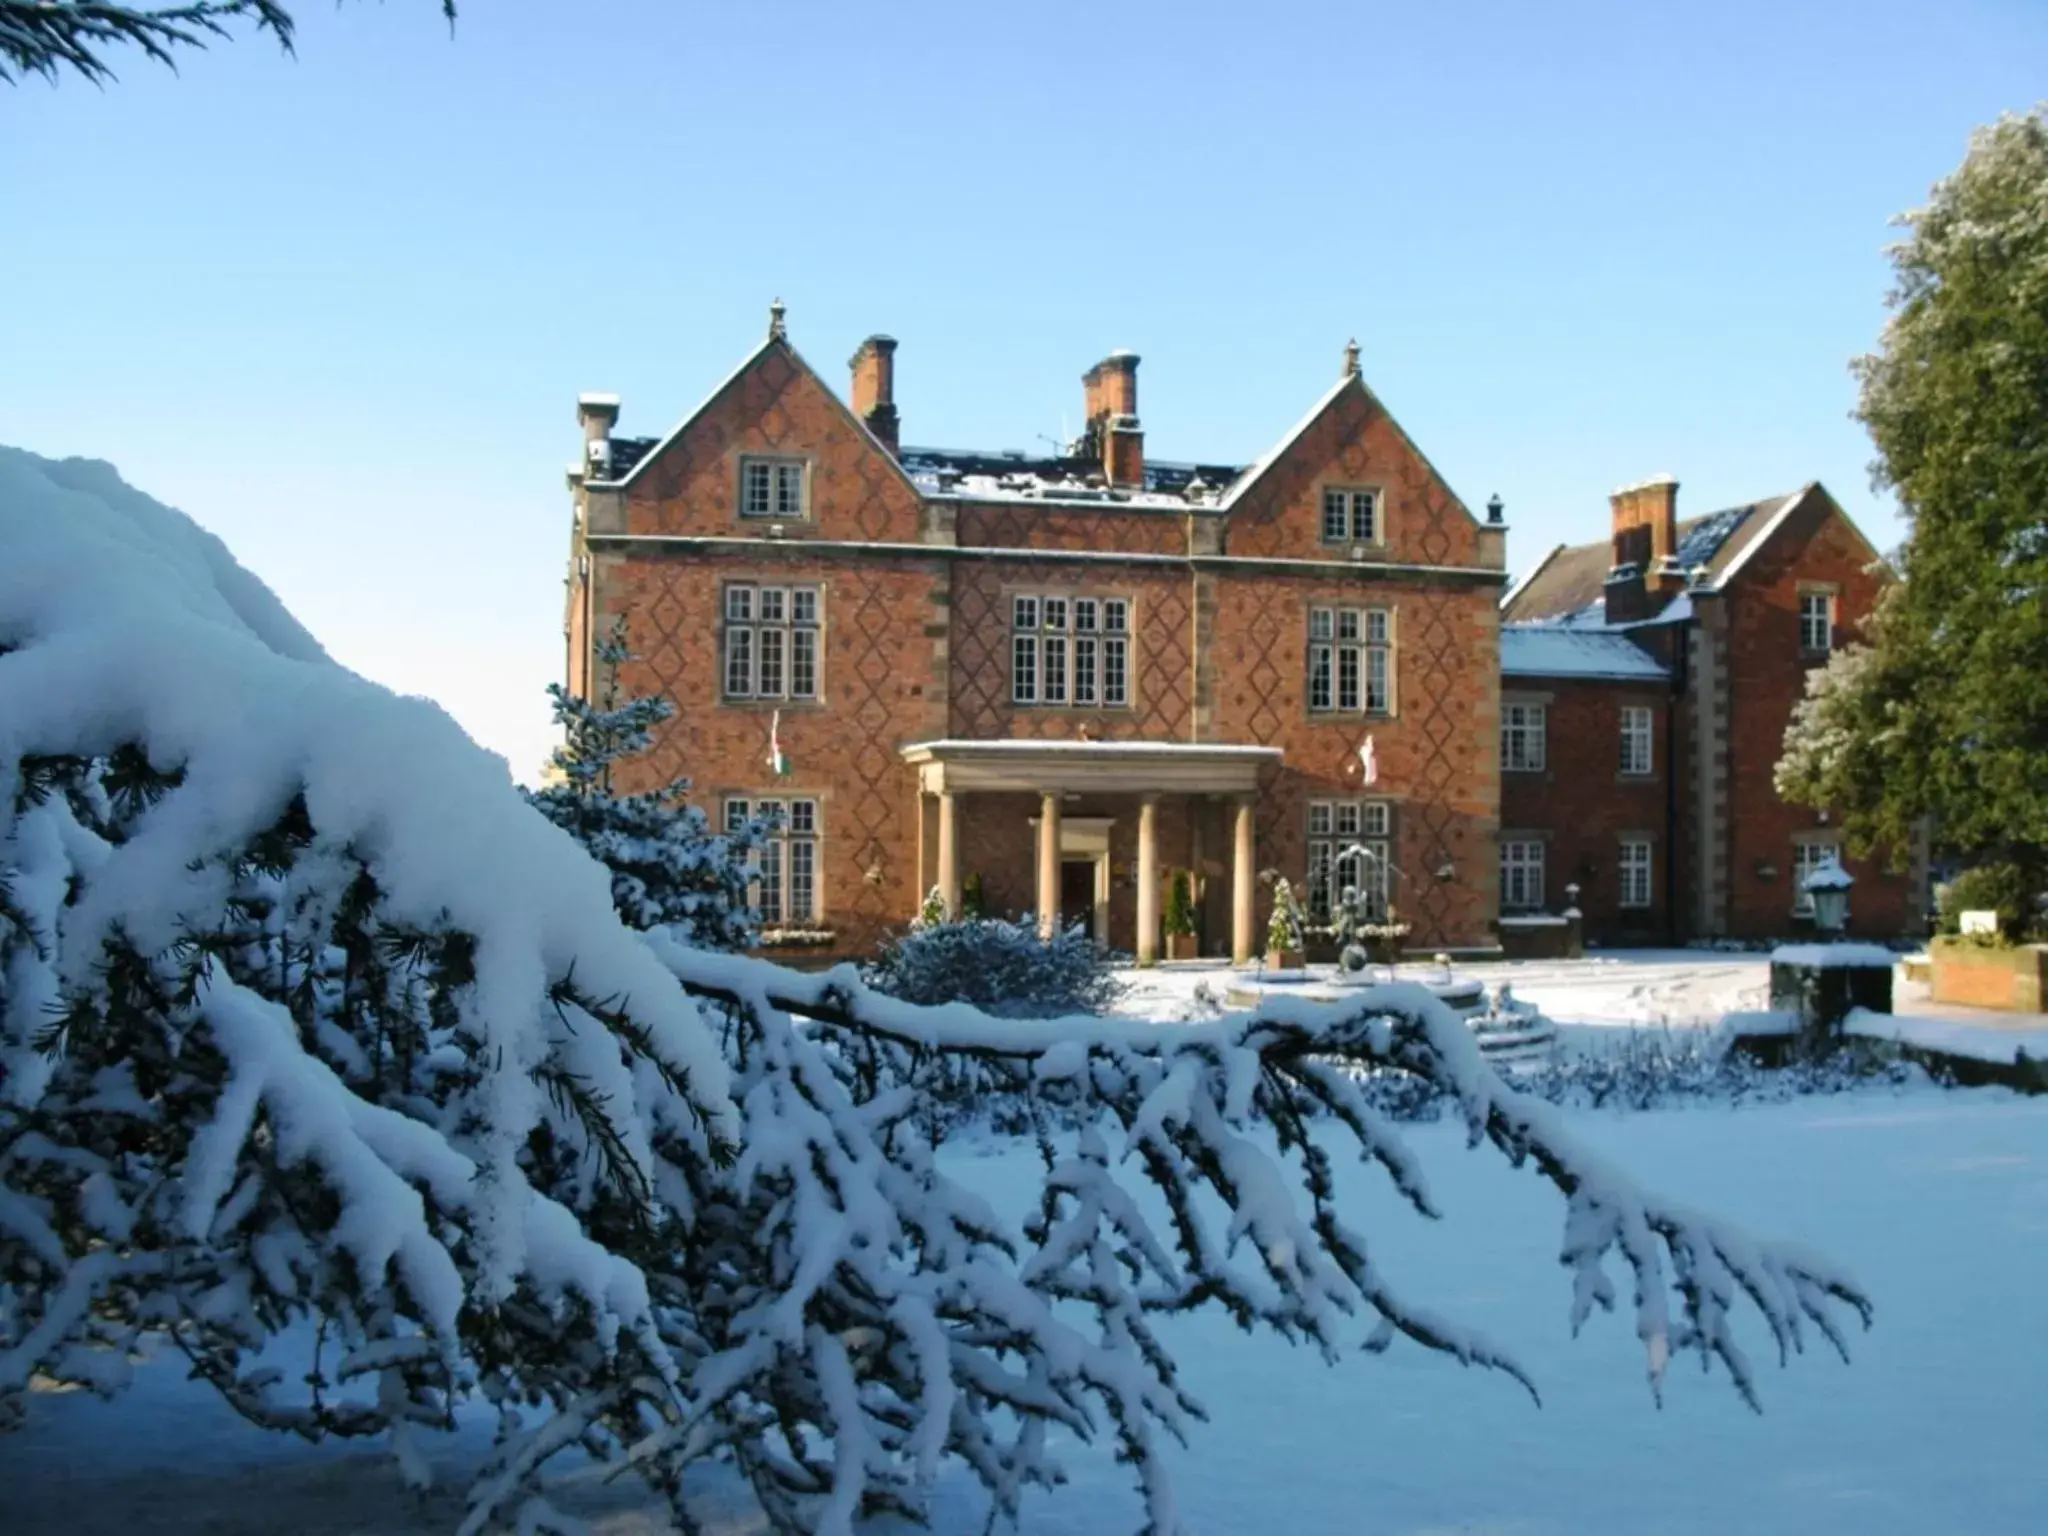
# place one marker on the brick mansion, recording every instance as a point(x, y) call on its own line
point(1053, 682)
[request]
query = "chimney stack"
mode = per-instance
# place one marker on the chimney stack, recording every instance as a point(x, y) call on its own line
point(1645, 532)
point(1111, 401)
point(597, 414)
point(874, 389)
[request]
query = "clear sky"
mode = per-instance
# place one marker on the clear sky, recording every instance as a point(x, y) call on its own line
point(339, 308)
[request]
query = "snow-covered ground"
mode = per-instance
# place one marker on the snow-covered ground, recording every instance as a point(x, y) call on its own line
point(1937, 1201)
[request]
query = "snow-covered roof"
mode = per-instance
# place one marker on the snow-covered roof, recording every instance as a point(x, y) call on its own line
point(1010, 475)
point(1551, 650)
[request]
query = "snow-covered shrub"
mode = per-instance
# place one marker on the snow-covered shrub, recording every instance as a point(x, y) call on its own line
point(308, 1022)
point(1003, 968)
point(668, 866)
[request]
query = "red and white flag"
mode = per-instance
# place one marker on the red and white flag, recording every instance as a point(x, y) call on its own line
point(1368, 762)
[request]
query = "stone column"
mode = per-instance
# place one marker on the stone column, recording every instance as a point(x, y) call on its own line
point(1049, 864)
point(949, 855)
point(1148, 880)
point(1243, 886)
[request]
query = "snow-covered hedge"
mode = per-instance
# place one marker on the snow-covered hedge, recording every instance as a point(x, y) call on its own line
point(1003, 968)
point(308, 1022)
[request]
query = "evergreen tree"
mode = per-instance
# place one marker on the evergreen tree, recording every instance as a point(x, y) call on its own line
point(41, 38)
point(669, 869)
point(1945, 712)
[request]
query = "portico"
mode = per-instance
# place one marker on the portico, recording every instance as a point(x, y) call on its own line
point(1091, 798)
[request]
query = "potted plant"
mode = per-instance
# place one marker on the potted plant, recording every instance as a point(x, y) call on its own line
point(1284, 941)
point(1181, 943)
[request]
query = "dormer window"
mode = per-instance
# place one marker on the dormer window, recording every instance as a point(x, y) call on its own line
point(774, 488)
point(1351, 515)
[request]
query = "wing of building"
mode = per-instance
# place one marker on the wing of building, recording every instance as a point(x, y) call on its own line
point(1646, 682)
point(1055, 681)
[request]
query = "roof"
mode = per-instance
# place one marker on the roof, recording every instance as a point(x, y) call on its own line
point(1550, 650)
point(1569, 585)
point(1012, 475)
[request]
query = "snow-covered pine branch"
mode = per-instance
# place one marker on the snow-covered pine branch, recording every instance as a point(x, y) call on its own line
point(306, 1019)
point(861, 1236)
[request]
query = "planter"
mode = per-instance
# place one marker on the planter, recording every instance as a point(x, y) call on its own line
point(1987, 976)
point(1285, 959)
point(1183, 946)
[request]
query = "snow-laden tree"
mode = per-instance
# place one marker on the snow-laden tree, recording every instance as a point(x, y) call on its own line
point(1945, 713)
point(309, 1025)
point(49, 37)
point(669, 868)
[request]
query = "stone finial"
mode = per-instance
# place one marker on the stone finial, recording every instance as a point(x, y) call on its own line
point(1351, 358)
point(777, 329)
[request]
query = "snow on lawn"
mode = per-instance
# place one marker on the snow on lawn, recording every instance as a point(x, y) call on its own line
point(1938, 1202)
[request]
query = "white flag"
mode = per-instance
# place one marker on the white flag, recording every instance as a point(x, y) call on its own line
point(1368, 762)
point(777, 763)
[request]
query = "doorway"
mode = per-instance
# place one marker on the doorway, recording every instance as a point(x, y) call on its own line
point(1077, 893)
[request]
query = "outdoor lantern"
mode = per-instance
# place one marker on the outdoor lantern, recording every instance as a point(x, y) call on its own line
point(1829, 886)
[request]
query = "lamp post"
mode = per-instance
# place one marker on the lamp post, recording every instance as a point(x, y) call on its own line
point(1828, 886)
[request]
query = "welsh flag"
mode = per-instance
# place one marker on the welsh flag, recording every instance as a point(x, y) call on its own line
point(778, 761)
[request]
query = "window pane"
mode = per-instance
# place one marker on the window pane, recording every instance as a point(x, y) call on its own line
point(1053, 685)
point(1085, 652)
point(1319, 623)
point(771, 882)
point(739, 662)
point(803, 605)
point(1319, 861)
point(803, 664)
point(1055, 613)
point(1333, 516)
point(1347, 624)
point(803, 816)
point(1115, 681)
point(1347, 818)
point(789, 490)
point(1024, 669)
point(754, 492)
point(1364, 527)
point(739, 604)
point(1319, 818)
point(1319, 677)
point(1116, 615)
point(1085, 611)
point(1377, 626)
point(1377, 818)
point(735, 815)
point(774, 604)
point(1376, 679)
point(770, 686)
point(1347, 677)
point(1025, 613)
point(803, 885)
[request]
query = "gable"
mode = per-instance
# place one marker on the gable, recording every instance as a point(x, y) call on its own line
point(774, 405)
point(1348, 439)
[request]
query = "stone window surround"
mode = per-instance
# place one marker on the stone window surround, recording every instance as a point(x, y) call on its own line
point(772, 579)
point(1008, 595)
point(1364, 646)
point(743, 461)
point(1647, 716)
point(1540, 841)
point(1325, 848)
point(779, 845)
point(1350, 490)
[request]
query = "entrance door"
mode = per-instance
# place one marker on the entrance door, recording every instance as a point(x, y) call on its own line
point(1077, 894)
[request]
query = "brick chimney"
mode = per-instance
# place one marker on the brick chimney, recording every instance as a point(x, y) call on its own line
point(874, 388)
point(1111, 402)
point(597, 414)
point(1645, 572)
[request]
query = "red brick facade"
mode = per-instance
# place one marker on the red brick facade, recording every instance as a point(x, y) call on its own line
point(1716, 604)
point(917, 558)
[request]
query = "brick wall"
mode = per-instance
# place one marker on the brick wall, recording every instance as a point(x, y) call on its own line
point(1582, 804)
point(1817, 546)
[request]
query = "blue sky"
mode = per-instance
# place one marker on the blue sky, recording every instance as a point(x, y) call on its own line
point(339, 308)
